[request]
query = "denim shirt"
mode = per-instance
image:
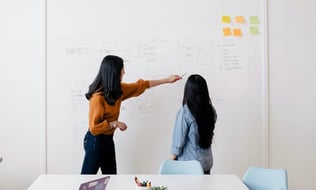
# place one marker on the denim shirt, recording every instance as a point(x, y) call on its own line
point(186, 137)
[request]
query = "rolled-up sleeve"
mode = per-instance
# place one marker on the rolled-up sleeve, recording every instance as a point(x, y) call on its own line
point(97, 123)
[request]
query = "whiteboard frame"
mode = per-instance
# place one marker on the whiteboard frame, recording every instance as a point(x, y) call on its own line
point(265, 86)
point(44, 92)
point(266, 106)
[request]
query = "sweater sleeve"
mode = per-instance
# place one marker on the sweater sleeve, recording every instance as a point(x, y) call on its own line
point(97, 123)
point(134, 89)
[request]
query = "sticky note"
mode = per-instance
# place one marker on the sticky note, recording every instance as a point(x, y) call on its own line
point(227, 32)
point(239, 19)
point(254, 30)
point(254, 20)
point(226, 19)
point(237, 32)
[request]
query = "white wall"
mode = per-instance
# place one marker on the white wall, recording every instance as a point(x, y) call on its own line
point(292, 91)
point(292, 29)
point(21, 92)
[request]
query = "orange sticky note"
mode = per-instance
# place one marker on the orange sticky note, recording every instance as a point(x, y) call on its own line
point(237, 32)
point(239, 19)
point(225, 19)
point(227, 32)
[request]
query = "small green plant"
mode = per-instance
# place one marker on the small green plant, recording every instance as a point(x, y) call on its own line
point(159, 188)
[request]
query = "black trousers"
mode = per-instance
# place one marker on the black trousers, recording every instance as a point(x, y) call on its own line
point(99, 153)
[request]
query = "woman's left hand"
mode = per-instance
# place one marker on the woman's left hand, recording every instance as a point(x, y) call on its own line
point(121, 125)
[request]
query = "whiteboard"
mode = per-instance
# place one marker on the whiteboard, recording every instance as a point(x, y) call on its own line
point(223, 40)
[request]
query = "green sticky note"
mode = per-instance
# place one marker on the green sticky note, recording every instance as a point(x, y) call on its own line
point(254, 20)
point(254, 30)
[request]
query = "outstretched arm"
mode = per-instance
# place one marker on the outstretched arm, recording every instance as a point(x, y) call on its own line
point(170, 79)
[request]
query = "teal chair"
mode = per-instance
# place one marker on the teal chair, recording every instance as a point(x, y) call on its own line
point(257, 178)
point(190, 167)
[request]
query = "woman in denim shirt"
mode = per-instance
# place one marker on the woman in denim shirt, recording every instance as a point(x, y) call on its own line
point(194, 126)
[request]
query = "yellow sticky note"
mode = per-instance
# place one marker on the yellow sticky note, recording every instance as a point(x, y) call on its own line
point(239, 19)
point(254, 30)
point(254, 20)
point(225, 19)
point(237, 32)
point(227, 32)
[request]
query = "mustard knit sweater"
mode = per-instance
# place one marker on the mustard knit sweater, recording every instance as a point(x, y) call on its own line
point(101, 113)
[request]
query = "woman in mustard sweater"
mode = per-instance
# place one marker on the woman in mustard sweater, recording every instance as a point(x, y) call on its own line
point(106, 94)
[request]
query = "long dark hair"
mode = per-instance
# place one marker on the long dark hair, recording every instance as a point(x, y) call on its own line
point(108, 79)
point(197, 98)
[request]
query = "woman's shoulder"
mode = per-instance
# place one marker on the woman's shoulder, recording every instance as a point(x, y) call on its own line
point(185, 111)
point(97, 96)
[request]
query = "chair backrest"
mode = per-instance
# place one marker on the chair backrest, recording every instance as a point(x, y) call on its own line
point(193, 167)
point(257, 178)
